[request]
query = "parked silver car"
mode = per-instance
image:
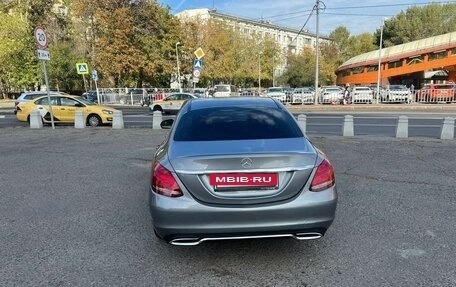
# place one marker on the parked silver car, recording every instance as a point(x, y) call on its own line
point(237, 168)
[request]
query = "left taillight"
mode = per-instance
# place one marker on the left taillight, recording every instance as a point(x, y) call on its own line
point(163, 182)
point(324, 177)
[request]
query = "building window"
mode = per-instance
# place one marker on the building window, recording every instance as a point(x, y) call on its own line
point(437, 55)
point(415, 60)
point(372, 68)
point(358, 70)
point(345, 72)
point(395, 64)
point(453, 52)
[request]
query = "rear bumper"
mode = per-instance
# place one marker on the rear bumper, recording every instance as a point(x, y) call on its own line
point(184, 217)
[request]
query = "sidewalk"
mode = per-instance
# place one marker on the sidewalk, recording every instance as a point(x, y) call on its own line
point(437, 107)
point(7, 103)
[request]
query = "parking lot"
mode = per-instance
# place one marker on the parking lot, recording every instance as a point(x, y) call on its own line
point(73, 212)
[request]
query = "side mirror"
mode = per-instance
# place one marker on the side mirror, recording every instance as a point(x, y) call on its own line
point(167, 124)
point(79, 105)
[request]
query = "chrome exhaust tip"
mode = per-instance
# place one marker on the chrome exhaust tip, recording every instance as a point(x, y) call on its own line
point(185, 241)
point(307, 236)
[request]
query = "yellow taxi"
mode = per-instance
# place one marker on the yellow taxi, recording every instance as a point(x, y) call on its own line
point(63, 110)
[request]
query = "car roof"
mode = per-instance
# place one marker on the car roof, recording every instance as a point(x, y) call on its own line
point(24, 94)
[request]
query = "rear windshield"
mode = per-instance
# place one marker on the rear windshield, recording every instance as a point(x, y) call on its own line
point(222, 88)
point(236, 123)
point(275, 90)
point(443, 87)
point(398, 88)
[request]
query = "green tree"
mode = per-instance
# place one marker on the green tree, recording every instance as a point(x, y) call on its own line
point(62, 69)
point(417, 23)
point(18, 69)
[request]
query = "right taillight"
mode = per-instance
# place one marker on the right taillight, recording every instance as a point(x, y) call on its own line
point(163, 182)
point(324, 177)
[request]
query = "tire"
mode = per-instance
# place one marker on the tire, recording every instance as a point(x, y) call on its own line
point(94, 120)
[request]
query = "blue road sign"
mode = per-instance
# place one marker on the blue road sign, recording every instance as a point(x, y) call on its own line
point(197, 64)
point(95, 75)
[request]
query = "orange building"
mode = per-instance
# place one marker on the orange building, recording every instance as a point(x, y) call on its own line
point(416, 63)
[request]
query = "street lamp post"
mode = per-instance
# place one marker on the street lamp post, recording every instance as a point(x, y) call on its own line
point(178, 70)
point(259, 73)
point(273, 68)
point(380, 60)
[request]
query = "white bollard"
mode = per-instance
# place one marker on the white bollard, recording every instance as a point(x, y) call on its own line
point(402, 127)
point(117, 120)
point(36, 122)
point(156, 120)
point(348, 129)
point(302, 122)
point(447, 132)
point(79, 122)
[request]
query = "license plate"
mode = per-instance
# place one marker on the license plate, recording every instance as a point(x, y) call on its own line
point(244, 179)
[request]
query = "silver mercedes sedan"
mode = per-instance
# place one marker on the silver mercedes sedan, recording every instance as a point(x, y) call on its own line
point(239, 168)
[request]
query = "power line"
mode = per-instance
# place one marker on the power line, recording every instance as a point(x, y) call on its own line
point(362, 15)
point(390, 5)
point(350, 7)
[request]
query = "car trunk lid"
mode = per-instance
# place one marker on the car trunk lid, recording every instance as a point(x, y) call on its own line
point(252, 172)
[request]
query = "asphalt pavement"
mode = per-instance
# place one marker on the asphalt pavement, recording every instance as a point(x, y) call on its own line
point(73, 212)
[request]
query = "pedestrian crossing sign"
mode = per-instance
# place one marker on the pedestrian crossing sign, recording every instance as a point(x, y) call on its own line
point(82, 68)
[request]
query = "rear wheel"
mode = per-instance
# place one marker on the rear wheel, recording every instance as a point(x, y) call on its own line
point(94, 120)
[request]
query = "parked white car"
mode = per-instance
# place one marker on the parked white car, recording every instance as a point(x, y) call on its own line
point(331, 95)
point(397, 94)
point(362, 94)
point(277, 93)
point(304, 95)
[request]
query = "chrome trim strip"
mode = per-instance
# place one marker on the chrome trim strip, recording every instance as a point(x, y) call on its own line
point(208, 171)
point(196, 241)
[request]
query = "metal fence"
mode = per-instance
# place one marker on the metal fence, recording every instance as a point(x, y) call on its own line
point(143, 96)
point(132, 96)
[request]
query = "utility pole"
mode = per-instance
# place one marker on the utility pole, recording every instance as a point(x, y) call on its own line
point(317, 47)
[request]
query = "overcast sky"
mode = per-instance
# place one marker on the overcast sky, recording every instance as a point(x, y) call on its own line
point(357, 16)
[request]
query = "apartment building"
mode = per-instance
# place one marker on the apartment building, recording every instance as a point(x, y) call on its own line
point(289, 39)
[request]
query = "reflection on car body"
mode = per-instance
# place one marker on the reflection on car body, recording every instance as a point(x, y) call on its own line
point(236, 168)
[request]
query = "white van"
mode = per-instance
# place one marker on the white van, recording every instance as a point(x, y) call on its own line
point(225, 91)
